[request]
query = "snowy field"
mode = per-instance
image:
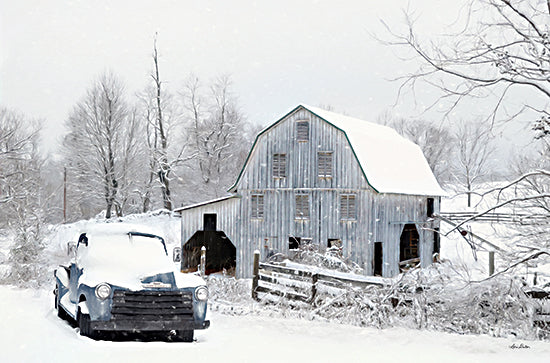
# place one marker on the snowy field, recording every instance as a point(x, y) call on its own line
point(31, 332)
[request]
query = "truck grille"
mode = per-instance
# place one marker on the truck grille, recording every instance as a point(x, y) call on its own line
point(154, 306)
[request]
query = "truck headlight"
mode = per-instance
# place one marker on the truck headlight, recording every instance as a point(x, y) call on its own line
point(103, 291)
point(201, 293)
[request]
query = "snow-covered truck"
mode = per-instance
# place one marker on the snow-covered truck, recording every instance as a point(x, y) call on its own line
point(120, 279)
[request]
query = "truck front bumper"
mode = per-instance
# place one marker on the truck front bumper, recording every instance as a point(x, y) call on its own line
point(139, 326)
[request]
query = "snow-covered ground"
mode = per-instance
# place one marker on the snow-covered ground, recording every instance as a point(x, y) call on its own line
point(31, 332)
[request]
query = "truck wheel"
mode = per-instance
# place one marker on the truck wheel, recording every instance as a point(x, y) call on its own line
point(60, 311)
point(84, 325)
point(56, 297)
point(185, 335)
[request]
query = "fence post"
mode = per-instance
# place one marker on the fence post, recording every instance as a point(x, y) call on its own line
point(203, 261)
point(255, 274)
point(314, 279)
point(491, 263)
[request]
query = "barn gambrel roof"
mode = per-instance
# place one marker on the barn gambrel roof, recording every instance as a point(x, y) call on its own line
point(390, 163)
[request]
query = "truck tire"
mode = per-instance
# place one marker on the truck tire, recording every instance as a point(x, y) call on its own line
point(84, 325)
point(185, 335)
point(56, 298)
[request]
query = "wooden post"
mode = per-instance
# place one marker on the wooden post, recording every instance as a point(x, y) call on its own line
point(64, 195)
point(203, 261)
point(255, 274)
point(314, 279)
point(491, 263)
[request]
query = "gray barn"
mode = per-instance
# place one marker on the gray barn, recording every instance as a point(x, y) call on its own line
point(318, 177)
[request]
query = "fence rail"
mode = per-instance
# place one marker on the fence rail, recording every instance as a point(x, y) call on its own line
point(301, 285)
point(521, 218)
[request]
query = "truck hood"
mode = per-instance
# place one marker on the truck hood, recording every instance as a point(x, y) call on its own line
point(132, 281)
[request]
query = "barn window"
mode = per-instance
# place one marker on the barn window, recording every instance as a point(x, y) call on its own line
point(324, 164)
point(302, 130)
point(257, 201)
point(302, 206)
point(279, 165)
point(348, 207)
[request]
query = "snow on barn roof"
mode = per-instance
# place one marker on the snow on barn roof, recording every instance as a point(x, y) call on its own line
point(390, 163)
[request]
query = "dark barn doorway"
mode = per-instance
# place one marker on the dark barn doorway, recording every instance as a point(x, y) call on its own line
point(408, 249)
point(221, 253)
point(209, 222)
point(377, 259)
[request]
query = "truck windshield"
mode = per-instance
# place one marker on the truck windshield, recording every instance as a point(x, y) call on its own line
point(133, 252)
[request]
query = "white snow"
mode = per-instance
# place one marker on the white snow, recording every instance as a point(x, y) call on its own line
point(31, 332)
point(121, 259)
point(392, 163)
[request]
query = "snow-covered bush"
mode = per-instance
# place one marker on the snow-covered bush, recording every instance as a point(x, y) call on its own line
point(332, 259)
point(435, 298)
point(229, 295)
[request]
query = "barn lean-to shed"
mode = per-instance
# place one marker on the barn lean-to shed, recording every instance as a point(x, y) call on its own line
point(319, 177)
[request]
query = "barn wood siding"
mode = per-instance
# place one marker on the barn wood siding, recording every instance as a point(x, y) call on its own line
point(227, 212)
point(379, 216)
point(374, 211)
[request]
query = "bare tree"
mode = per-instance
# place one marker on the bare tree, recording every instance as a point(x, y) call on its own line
point(166, 144)
point(473, 153)
point(163, 166)
point(503, 48)
point(221, 136)
point(100, 145)
point(500, 57)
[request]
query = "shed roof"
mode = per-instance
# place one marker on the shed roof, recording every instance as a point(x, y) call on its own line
point(390, 162)
point(201, 204)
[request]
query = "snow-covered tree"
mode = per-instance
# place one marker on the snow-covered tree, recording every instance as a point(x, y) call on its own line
point(22, 202)
point(100, 148)
point(221, 137)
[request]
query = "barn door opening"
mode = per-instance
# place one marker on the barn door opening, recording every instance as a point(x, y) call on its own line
point(408, 251)
point(378, 258)
point(209, 222)
point(221, 253)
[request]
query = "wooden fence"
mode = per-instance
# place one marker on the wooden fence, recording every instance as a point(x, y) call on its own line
point(300, 285)
point(521, 218)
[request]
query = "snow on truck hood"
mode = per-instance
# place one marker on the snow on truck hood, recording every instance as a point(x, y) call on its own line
point(125, 260)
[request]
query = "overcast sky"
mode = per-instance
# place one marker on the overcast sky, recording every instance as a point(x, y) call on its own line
point(279, 53)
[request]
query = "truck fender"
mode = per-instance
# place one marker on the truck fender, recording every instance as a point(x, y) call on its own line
point(62, 276)
point(83, 308)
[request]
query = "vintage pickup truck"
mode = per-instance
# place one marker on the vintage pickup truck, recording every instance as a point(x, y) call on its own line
point(121, 280)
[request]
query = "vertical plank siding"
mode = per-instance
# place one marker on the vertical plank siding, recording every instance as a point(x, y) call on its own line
point(380, 217)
